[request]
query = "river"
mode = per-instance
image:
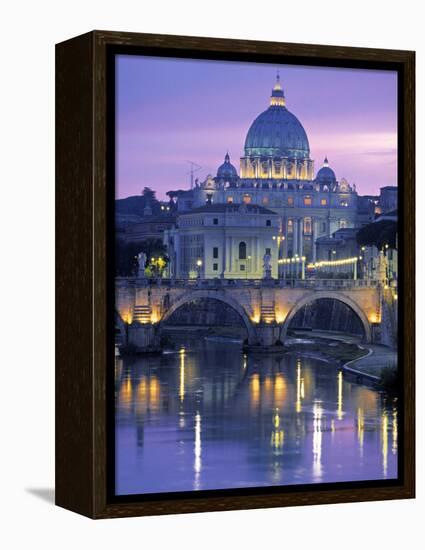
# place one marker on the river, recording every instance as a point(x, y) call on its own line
point(207, 416)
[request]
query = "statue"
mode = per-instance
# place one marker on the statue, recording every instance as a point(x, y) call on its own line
point(382, 268)
point(141, 259)
point(267, 266)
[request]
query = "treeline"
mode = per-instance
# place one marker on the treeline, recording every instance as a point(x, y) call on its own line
point(137, 203)
point(378, 234)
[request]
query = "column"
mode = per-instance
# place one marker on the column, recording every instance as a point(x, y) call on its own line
point(294, 236)
point(301, 241)
point(223, 257)
point(229, 256)
point(285, 246)
point(314, 235)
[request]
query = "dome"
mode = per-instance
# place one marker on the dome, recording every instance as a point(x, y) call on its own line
point(227, 170)
point(325, 175)
point(277, 132)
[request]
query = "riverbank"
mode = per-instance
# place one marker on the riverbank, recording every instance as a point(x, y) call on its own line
point(373, 363)
point(378, 366)
point(336, 347)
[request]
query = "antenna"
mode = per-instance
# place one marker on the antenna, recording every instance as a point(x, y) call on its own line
point(193, 168)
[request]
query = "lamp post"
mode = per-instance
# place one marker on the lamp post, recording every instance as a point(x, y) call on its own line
point(248, 263)
point(364, 274)
point(199, 267)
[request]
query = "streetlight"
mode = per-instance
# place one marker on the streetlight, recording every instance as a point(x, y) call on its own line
point(199, 266)
point(248, 263)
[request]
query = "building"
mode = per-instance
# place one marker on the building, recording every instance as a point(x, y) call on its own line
point(341, 245)
point(276, 172)
point(224, 240)
point(150, 226)
point(388, 199)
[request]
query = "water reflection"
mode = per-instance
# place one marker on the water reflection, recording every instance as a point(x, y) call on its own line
point(317, 441)
point(340, 390)
point(394, 431)
point(360, 428)
point(207, 416)
point(197, 464)
point(181, 387)
point(385, 443)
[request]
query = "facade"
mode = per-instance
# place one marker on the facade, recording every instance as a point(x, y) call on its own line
point(224, 240)
point(388, 199)
point(151, 227)
point(341, 245)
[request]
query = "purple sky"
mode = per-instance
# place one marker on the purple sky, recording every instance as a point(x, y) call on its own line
point(170, 111)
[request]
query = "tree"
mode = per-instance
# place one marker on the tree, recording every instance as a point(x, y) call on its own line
point(378, 234)
point(126, 263)
point(149, 195)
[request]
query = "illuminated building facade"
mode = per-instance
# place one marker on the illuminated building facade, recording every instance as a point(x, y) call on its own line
point(223, 240)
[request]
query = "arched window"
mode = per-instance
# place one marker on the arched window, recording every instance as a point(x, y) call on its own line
point(290, 226)
point(307, 226)
point(242, 250)
point(308, 200)
point(247, 198)
point(343, 224)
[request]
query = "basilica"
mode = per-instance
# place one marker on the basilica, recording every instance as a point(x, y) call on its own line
point(276, 205)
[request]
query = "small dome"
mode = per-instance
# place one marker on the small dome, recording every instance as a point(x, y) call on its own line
point(227, 170)
point(325, 175)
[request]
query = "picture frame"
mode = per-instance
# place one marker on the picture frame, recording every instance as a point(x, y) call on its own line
point(85, 287)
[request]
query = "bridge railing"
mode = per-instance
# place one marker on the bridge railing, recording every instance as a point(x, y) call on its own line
point(315, 284)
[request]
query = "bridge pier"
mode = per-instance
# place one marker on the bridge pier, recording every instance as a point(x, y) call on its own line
point(267, 338)
point(268, 334)
point(376, 333)
point(144, 338)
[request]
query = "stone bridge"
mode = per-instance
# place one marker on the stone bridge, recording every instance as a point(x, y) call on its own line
point(265, 306)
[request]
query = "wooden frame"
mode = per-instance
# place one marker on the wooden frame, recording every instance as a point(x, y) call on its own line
point(82, 211)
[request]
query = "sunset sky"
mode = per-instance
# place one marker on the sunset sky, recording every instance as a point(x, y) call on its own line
point(170, 111)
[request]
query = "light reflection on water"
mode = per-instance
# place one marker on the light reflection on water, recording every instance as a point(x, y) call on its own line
point(208, 416)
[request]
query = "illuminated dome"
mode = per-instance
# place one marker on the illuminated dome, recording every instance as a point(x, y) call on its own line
point(227, 171)
point(277, 132)
point(325, 175)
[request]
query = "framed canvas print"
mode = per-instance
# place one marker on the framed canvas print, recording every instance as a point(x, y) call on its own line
point(235, 274)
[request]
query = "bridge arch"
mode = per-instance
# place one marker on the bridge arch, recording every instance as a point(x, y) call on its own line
point(339, 296)
point(221, 297)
